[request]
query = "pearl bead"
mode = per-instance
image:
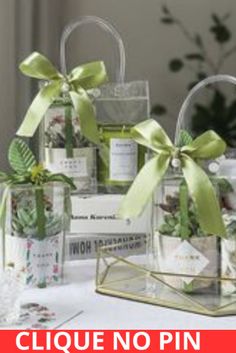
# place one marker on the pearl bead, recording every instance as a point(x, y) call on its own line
point(65, 87)
point(175, 163)
point(213, 167)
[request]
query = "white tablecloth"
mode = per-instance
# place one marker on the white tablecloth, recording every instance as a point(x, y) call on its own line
point(104, 312)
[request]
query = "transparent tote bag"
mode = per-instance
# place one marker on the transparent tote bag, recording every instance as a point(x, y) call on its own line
point(218, 253)
point(119, 106)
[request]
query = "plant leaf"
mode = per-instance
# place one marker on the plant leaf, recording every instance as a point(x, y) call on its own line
point(184, 138)
point(159, 109)
point(194, 56)
point(20, 156)
point(176, 65)
point(198, 40)
point(167, 20)
point(216, 19)
point(62, 178)
point(221, 33)
point(165, 9)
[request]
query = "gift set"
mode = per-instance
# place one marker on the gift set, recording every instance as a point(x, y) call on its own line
point(190, 258)
point(160, 216)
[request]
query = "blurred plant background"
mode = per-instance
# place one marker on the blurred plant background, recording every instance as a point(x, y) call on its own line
point(219, 111)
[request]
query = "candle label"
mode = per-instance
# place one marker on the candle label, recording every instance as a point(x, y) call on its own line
point(123, 159)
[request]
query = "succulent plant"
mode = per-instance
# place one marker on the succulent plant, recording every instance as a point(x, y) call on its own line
point(26, 171)
point(24, 223)
point(172, 218)
point(55, 135)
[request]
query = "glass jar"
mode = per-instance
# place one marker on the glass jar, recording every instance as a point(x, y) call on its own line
point(74, 156)
point(34, 231)
point(125, 159)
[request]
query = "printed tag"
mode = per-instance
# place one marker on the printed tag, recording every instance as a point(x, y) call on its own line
point(73, 167)
point(38, 260)
point(123, 159)
point(186, 260)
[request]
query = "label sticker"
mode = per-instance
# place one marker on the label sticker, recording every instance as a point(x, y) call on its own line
point(123, 159)
point(73, 167)
point(186, 259)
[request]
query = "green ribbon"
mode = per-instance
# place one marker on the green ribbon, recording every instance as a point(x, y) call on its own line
point(76, 84)
point(207, 146)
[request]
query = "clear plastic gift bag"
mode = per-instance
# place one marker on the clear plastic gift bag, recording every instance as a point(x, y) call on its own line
point(63, 146)
point(119, 106)
point(196, 253)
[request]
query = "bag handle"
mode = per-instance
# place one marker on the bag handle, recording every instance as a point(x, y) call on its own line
point(107, 27)
point(207, 81)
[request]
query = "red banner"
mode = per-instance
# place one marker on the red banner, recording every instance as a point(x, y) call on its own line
point(118, 341)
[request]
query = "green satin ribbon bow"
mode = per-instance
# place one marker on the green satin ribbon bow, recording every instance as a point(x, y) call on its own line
point(207, 146)
point(80, 79)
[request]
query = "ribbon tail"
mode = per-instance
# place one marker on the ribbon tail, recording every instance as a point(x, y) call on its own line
point(38, 108)
point(204, 198)
point(85, 110)
point(140, 192)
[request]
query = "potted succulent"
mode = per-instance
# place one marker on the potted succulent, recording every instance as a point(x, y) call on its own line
point(187, 219)
point(35, 211)
point(180, 245)
point(64, 108)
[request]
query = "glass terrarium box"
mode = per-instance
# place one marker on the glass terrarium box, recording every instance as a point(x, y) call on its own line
point(64, 149)
point(35, 221)
point(184, 268)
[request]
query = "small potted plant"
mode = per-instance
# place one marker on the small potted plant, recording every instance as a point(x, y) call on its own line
point(180, 245)
point(64, 109)
point(35, 212)
point(187, 219)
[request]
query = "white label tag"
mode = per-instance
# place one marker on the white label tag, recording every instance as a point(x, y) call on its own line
point(123, 159)
point(42, 260)
point(186, 260)
point(73, 167)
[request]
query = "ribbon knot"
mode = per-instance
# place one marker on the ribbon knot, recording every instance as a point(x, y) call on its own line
point(76, 84)
point(209, 145)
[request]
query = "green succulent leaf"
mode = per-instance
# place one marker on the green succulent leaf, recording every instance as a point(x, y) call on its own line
point(224, 186)
point(184, 138)
point(21, 157)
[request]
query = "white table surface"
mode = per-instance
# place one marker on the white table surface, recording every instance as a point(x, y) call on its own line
point(104, 312)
